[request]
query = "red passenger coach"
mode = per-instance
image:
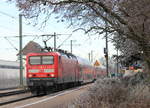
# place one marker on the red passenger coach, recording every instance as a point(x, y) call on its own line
point(86, 70)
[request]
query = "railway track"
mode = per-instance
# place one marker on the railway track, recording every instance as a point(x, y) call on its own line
point(14, 96)
point(21, 98)
point(15, 100)
point(29, 96)
point(13, 93)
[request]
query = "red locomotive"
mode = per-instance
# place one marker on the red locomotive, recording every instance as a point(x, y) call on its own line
point(56, 69)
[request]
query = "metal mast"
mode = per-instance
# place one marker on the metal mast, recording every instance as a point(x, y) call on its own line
point(20, 50)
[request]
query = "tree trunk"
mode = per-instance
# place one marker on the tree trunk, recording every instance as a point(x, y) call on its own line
point(146, 56)
point(148, 66)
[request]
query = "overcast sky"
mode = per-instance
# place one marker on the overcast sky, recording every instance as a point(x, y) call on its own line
point(9, 27)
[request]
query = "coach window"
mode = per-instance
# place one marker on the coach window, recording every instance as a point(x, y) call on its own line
point(47, 59)
point(35, 60)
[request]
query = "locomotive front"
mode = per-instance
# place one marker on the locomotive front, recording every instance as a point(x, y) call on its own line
point(42, 70)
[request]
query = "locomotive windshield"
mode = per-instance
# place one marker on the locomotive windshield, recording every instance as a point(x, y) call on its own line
point(34, 60)
point(47, 60)
point(39, 60)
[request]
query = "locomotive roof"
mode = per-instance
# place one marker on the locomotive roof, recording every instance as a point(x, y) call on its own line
point(80, 60)
point(68, 55)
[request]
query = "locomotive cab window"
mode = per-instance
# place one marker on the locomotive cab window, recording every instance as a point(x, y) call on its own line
point(35, 60)
point(39, 60)
point(47, 60)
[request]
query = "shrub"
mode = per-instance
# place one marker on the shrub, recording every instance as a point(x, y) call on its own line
point(113, 93)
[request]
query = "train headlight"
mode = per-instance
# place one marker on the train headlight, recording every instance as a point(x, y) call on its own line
point(52, 75)
point(30, 75)
point(48, 70)
point(33, 70)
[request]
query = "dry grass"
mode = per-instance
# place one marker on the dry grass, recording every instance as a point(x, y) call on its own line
point(113, 93)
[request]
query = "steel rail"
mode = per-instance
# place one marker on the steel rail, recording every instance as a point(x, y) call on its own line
point(32, 96)
point(15, 100)
point(13, 93)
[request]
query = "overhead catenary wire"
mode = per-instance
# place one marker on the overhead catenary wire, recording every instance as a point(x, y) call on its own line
point(11, 44)
point(64, 41)
point(16, 36)
point(48, 37)
point(6, 14)
point(35, 36)
point(14, 18)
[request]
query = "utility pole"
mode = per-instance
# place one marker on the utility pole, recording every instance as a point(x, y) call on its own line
point(20, 50)
point(89, 54)
point(54, 41)
point(71, 45)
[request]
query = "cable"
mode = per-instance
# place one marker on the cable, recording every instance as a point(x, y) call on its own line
point(47, 36)
point(6, 14)
point(64, 41)
point(15, 36)
point(15, 18)
point(11, 44)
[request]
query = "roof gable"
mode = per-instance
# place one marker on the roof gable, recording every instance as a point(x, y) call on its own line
point(31, 47)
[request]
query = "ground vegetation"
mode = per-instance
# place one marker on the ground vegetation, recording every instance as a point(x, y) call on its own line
point(128, 92)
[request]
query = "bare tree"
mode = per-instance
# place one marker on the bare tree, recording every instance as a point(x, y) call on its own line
point(126, 47)
point(130, 18)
